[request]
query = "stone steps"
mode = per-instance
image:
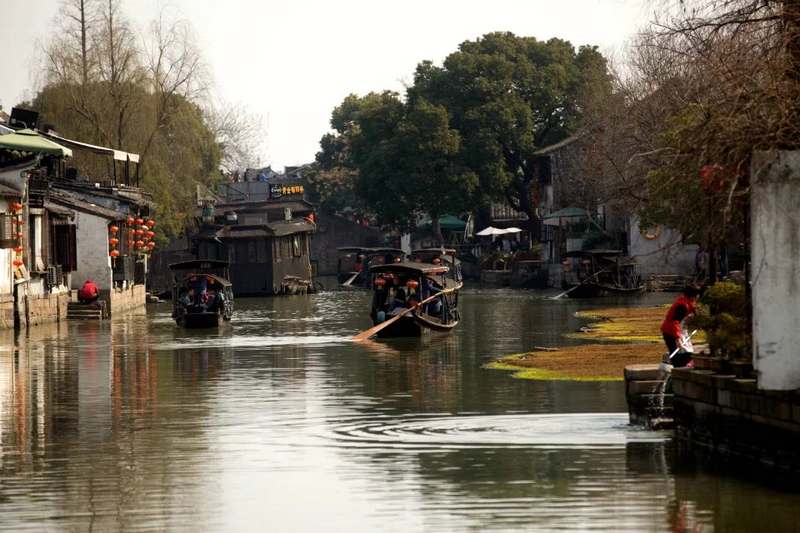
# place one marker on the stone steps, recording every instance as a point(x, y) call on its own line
point(79, 311)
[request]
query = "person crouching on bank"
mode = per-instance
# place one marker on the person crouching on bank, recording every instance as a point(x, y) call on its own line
point(671, 329)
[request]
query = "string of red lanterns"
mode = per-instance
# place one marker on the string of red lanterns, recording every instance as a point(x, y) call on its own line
point(16, 222)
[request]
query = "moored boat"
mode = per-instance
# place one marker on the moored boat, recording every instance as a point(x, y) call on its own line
point(202, 296)
point(593, 273)
point(400, 287)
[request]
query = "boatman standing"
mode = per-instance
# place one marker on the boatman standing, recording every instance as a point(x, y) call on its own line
point(671, 327)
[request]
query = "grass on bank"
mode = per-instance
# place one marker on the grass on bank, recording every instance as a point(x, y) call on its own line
point(587, 362)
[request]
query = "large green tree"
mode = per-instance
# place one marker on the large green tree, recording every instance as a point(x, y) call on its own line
point(404, 159)
point(508, 96)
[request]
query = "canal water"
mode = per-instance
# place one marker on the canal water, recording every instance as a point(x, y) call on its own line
point(277, 422)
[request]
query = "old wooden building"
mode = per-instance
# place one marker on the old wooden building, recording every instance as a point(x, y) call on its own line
point(263, 229)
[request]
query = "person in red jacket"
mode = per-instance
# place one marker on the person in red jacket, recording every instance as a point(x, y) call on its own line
point(671, 327)
point(88, 293)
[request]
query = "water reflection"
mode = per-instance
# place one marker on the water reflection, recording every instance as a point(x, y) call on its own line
point(279, 419)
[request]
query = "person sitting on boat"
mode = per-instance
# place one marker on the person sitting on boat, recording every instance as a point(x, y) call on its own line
point(187, 298)
point(398, 303)
point(430, 287)
point(88, 293)
point(671, 329)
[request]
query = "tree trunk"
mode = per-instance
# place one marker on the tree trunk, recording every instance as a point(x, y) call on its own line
point(436, 228)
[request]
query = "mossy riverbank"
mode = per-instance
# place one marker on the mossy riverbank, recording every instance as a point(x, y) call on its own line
point(622, 336)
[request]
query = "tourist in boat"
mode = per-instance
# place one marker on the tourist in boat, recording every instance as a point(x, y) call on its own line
point(88, 293)
point(671, 328)
point(187, 298)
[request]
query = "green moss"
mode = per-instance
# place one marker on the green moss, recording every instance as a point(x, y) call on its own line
point(540, 374)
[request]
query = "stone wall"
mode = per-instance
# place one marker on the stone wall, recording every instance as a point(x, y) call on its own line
point(732, 417)
point(6, 311)
point(775, 247)
point(120, 300)
point(46, 308)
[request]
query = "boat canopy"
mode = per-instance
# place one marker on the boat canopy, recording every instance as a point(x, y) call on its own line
point(440, 251)
point(369, 250)
point(410, 268)
point(199, 265)
point(218, 279)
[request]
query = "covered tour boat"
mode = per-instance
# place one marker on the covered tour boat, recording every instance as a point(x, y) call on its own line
point(202, 296)
point(398, 287)
point(592, 273)
point(355, 261)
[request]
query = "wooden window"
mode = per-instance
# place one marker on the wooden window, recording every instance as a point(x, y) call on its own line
point(8, 238)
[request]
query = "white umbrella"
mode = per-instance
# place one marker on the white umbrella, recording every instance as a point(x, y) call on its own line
point(490, 231)
point(512, 230)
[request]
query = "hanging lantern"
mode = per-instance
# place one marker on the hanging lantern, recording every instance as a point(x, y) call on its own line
point(150, 223)
point(139, 244)
point(150, 234)
point(113, 241)
point(379, 282)
point(151, 245)
point(139, 232)
point(17, 262)
point(139, 221)
point(19, 235)
point(19, 249)
point(130, 221)
point(16, 206)
point(114, 253)
point(412, 284)
point(113, 230)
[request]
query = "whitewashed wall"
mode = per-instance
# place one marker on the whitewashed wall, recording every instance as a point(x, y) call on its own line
point(91, 233)
point(775, 255)
point(662, 255)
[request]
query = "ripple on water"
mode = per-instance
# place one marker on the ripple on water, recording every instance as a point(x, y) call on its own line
point(493, 431)
point(254, 342)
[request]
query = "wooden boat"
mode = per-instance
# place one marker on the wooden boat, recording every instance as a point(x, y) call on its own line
point(593, 273)
point(354, 262)
point(398, 286)
point(202, 296)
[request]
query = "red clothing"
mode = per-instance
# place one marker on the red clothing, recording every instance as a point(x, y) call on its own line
point(682, 308)
point(88, 291)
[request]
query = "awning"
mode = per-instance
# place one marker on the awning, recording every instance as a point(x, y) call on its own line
point(30, 141)
point(568, 214)
point(446, 222)
point(119, 155)
point(497, 231)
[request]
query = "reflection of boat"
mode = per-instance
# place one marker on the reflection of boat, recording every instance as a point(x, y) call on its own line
point(398, 286)
point(592, 273)
point(354, 262)
point(202, 296)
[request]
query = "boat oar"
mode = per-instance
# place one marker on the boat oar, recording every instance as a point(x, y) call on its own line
point(576, 286)
point(351, 280)
point(375, 329)
point(678, 349)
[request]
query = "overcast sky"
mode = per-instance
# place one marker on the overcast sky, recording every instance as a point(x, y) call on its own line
point(292, 61)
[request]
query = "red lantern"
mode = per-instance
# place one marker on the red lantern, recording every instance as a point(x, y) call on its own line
point(139, 232)
point(16, 206)
point(17, 262)
point(151, 245)
point(19, 249)
point(150, 223)
point(113, 241)
point(139, 221)
point(412, 284)
point(379, 282)
point(113, 230)
point(19, 235)
point(139, 244)
point(150, 234)
point(114, 253)
point(130, 221)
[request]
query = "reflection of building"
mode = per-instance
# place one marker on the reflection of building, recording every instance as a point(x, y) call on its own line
point(263, 229)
